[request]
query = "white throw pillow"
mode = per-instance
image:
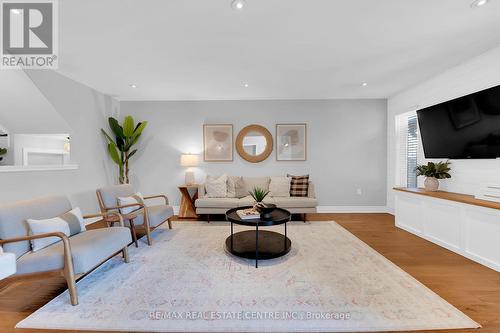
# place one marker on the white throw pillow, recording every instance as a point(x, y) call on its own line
point(236, 187)
point(70, 223)
point(216, 187)
point(133, 199)
point(279, 187)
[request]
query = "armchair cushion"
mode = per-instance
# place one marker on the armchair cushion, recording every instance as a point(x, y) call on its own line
point(7, 264)
point(156, 214)
point(110, 194)
point(88, 248)
point(13, 219)
point(133, 199)
point(69, 223)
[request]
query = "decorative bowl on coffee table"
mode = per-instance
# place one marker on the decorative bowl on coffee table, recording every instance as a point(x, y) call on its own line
point(266, 211)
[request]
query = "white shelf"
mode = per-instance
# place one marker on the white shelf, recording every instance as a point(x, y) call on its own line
point(31, 168)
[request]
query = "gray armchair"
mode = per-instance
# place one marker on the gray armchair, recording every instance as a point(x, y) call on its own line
point(73, 256)
point(144, 217)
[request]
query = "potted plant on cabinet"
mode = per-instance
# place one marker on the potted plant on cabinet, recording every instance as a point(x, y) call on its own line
point(433, 172)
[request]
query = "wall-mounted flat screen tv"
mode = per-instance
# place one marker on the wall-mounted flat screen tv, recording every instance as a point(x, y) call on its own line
point(463, 128)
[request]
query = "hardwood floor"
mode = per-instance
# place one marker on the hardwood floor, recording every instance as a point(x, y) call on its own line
point(472, 288)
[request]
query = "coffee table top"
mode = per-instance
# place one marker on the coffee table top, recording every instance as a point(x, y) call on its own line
point(278, 216)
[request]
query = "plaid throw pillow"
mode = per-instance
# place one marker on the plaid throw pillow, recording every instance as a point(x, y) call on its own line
point(299, 186)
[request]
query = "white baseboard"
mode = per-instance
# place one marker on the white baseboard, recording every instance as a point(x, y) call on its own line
point(339, 209)
point(352, 209)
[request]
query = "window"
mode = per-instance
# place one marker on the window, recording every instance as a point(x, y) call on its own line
point(408, 142)
point(411, 151)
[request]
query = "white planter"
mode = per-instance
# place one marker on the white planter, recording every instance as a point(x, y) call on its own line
point(431, 184)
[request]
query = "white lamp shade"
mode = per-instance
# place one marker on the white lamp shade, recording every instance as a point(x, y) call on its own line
point(189, 160)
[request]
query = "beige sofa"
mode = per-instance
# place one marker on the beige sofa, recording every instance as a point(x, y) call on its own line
point(296, 205)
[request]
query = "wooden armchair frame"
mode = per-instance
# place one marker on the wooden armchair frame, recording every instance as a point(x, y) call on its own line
point(141, 209)
point(67, 271)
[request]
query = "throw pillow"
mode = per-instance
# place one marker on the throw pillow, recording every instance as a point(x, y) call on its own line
point(133, 199)
point(299, 186)
point(256, 182)
point(216, 187)
point(235, 187)
point(279, 187)
point(70, 223)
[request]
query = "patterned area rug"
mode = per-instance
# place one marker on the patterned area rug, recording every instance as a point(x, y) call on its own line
point(329, 282)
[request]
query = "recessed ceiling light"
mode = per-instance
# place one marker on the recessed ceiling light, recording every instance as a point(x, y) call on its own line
point(245, 85)
point(133, 86)
point(479, 3)
point(238, 4)
point(364, 84)
point(16, 11)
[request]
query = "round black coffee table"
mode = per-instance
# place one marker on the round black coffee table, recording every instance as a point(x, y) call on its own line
point(258, 244)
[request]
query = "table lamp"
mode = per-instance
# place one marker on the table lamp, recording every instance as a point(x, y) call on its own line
point(189, 160)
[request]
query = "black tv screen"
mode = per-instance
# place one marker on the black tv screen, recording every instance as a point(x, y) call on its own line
point(463, 128)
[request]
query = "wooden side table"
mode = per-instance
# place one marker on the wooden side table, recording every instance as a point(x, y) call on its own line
point(187, 209)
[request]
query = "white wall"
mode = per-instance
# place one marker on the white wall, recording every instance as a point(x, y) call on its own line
point(477, 74)
point(20, 142)
point(346, 144)
point(85, 111)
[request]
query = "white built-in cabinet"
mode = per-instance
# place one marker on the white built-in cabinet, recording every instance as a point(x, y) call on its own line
point(470, 230)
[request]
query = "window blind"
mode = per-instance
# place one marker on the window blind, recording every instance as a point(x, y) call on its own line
point(407, 149)
point(411, 151)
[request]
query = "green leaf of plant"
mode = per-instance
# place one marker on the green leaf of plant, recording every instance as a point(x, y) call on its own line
point(132, 153)
point(106, 135)
point(128, 126)
point(139, 128)
point(113, 152)
point(115, 127)
point(120, 143)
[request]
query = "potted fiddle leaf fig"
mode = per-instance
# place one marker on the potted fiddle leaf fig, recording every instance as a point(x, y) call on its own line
point(120, 147)
point(433, 172)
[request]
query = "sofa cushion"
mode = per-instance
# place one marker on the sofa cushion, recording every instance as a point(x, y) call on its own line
point(13, 219)
point(217, 202)
point(279, 187)
point(69, 223)
point(88, 249)
point(295, 202)
point(216, 187)
point(110, 194)
point(156, 214)
point(249, 201)
point(254, 182)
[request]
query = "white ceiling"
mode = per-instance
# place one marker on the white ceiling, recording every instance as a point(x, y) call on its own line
point(284, 49)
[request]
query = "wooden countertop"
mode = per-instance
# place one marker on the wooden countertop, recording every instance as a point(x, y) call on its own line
point(457, 197)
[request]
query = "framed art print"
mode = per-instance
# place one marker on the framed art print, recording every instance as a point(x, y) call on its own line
point(217, 142)
point(291, 142)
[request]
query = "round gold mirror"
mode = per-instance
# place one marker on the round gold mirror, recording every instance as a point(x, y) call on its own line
point(254, 143)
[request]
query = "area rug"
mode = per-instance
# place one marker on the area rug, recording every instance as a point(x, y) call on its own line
point(186, 282)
